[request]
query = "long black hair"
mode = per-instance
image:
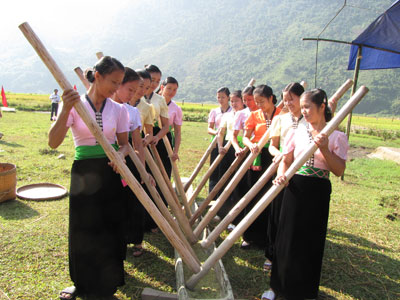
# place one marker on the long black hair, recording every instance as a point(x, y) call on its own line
point(319, 97)
point(265, 91)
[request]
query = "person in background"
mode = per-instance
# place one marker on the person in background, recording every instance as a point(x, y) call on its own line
point(224, 135)
point(96, 209)
point(55, 99)
point(135, 211)
point(255, 126)
point(214, 120)
point(169, 88)
point(279, 129)
point(300, 242)
point(145, 109)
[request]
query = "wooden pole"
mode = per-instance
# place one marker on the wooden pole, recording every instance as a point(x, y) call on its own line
point(251, 82)
point(110, 152)
point(81, 76)
point(174, 204)
point(272, 192)
point(230, 187)
point(355, 79)
point(208, 173)
point(235, 211)
point(99, 55)
point(332, 102)
point(156, 197)
point(200, 164)
point(235, 164)
point(177, 177)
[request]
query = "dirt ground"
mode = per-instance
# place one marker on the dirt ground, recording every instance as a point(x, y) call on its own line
point(357, 152)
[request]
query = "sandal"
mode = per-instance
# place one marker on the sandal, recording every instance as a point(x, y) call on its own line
point(70, 293)
point(245, 245)
point(268, 295)
point(137, 251)
point(267, 265)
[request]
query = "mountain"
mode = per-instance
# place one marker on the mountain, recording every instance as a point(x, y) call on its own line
point(212, 43)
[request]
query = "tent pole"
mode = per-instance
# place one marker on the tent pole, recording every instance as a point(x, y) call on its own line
point(353, 90)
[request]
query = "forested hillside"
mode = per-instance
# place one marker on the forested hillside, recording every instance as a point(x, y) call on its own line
point(212, 43)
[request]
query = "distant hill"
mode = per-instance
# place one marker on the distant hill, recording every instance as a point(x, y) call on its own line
point(212, 43)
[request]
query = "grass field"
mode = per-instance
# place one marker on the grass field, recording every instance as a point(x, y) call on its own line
point(362, 256)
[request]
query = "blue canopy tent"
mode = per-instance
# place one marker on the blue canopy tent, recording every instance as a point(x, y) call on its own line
point(377, 47)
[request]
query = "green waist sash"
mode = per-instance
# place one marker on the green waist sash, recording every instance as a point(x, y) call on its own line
point(96, 151)
point(240, 141)
point(313, 172)
point(257, 162)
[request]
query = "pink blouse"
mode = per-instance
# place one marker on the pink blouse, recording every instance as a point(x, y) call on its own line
point(215, 116)
point(298, 140)
point(175, 114)
point(115, 120)
point(240, 118)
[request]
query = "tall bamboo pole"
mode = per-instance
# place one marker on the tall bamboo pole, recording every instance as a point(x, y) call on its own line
point(109, 150)
point(232, 168)
point(99, 55)
point(169, 196)
point(272, 192)
point(228, 189)
point(177, 177)
point(213, 166)
point(81, 76)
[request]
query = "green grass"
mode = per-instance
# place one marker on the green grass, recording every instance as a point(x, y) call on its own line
point(362, 257)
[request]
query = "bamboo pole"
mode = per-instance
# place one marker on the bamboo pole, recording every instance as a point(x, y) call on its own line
point(177, 177)
point(99, 55)
point(235, 211)
point(230, 187)
point(81, 76)
point(160, 204)
point(213, 166)
point(109, 150)
point(235, 164)
point(200, 164)
point(175, 207)
point(251, 82)
point(332, 102)
point(272, 192)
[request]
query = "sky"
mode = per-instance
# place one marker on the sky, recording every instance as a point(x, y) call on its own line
point(56, 20)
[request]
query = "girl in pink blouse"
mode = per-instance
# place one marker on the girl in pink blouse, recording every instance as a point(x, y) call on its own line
point(96, 208)
point(297, 261)
point(169, 88)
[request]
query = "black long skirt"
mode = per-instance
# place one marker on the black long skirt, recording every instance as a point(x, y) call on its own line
point(96, 232)
point(135, 212)
point(214, 177)
point(296, 267)
point(257, 233)
point(224, 166)
point(273, 223)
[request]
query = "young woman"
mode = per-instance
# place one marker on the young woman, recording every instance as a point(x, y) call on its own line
point(96, 239)
point(214, 120)
point(279, 129)
point(296, 267)
point(134, 209)
point(224, 135)
point(145, 109)
point(255, 127)
point(169, 87)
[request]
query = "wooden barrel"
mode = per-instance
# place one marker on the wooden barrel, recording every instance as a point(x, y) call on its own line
point(8, 182)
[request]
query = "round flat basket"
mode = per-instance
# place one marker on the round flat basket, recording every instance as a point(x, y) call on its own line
point(41, 191)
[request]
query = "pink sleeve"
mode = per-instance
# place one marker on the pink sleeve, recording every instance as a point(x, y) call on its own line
point(211, 116)
point(123, 120)
point(179, 116)
point(340, 145)
point(289, 143)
